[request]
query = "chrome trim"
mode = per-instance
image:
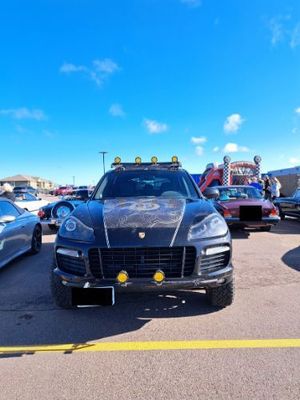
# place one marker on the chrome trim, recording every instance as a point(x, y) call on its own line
point(178, 226)
point(105, 229)
point(68, 252)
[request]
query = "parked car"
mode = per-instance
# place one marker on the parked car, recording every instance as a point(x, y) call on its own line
point(63, 190)
point(244, 206)
point(54, 213)
point(29, 202)
point(26, 189)
point(146, 227)
point(20, 232)
point(289, 205)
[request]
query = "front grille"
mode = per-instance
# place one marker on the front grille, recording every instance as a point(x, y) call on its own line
point(214, 262)
point(71, 265)
point(175, 262)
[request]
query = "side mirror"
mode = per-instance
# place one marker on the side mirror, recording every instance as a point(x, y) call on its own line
point(5, 219)
point(211, 193)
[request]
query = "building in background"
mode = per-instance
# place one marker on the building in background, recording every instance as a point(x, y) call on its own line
point(34, 181)
point(289, 179)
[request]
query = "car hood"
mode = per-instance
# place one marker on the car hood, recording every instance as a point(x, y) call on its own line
point(144, 221)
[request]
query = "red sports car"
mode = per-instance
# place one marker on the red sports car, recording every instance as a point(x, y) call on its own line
point(244, 206)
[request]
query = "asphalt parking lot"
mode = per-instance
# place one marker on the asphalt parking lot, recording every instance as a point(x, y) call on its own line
point(118, 364)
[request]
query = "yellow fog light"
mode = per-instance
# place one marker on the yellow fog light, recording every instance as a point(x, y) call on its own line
point(174, 159)
point(117, 160)
point(154, 160)
point(159, 276)
point(138, 160)
point(122, 277)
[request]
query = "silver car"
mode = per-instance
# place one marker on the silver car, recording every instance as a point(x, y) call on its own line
point(20, 232)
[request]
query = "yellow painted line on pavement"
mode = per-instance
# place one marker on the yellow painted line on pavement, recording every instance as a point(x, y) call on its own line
point(156, 345)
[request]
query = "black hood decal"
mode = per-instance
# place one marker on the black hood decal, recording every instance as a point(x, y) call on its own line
point(143, 213)
point(159, 219)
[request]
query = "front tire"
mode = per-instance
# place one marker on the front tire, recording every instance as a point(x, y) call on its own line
point(36, 241)
point(222, 296)
point(61, 294)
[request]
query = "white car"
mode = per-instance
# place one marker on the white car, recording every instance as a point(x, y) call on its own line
point(29, 202)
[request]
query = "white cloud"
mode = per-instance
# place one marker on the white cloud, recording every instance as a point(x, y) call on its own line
point(155, 126)
point(107, 66)
point(192, 3)
point(216, 149)
point(294, 161)
point(295, 36)
point(68, 68)
point(24, 113)
point(297, 110)
point(98, 73)
point(233, 123)
point(283, 31)
point(199, 150)
point(235, 148)
point(198, 140)
point(277, 30)
point(116, 110)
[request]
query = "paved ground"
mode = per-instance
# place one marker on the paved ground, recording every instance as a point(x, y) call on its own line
point(267, 306)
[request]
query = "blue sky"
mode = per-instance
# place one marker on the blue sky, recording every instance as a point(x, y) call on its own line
point(198, 79)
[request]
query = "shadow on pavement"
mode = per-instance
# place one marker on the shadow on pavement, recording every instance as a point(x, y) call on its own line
point(292, 258)
point(28, 315)
point(239, 233)
point(47, 231)
point(131, 313)
point(287, 227)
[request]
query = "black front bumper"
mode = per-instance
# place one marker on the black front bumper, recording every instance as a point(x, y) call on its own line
point(210, 280)
point(199, 276)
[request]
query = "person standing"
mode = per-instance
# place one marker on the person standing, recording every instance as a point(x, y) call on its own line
point(267, 188)
point(7, 191)
point(275, 188)
point(254, 183)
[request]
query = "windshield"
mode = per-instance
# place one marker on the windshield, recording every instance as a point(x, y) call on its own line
point(25, 197)
point(238, 193)
point(168, 184)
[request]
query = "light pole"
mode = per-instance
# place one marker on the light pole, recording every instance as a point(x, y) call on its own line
point(103, 159)
point(73, 180)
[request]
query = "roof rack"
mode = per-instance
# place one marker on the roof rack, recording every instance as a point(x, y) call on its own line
point(146, 166)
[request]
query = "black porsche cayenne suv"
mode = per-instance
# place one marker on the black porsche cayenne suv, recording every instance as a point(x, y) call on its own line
point(146, 227)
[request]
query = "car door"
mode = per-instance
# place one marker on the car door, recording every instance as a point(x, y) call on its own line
point(12, 239)
point(287, 205)
point(295, 205)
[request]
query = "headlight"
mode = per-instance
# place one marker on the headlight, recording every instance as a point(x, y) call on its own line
point(73, 228)
point(211, 226)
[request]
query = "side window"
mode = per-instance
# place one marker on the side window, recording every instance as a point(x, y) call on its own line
point(8, 209)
